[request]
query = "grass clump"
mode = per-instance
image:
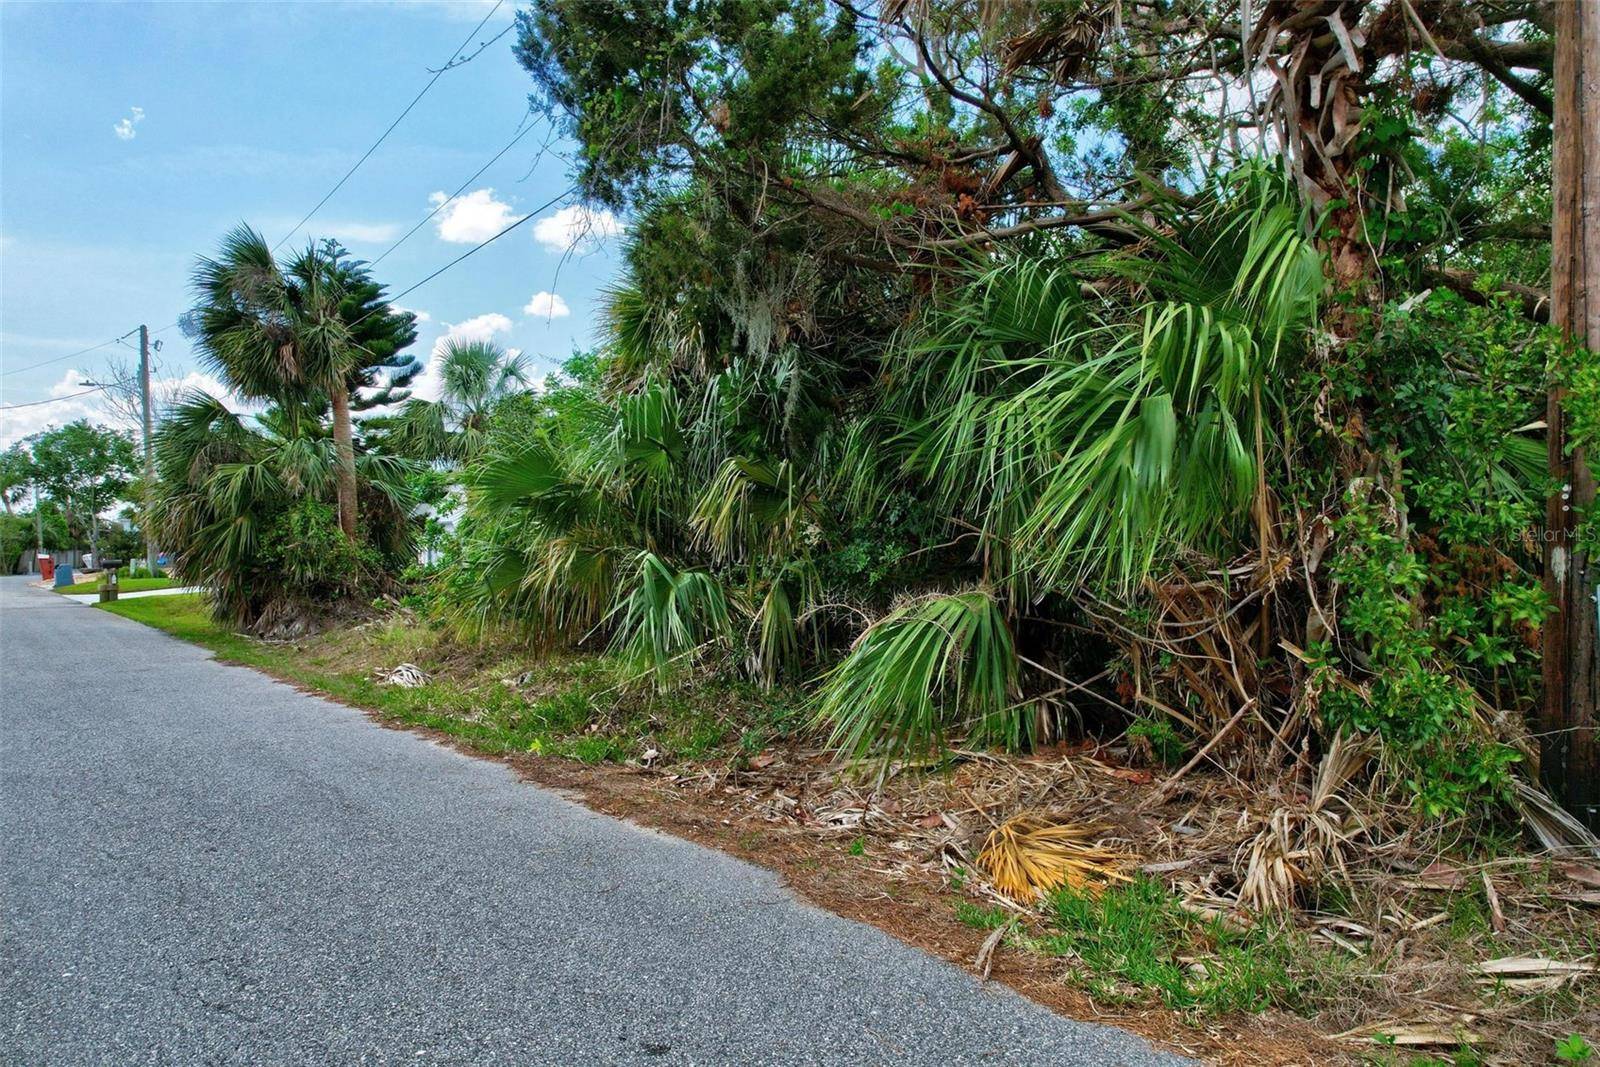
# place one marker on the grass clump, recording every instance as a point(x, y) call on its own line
point(1134, 939)
point(980, 917)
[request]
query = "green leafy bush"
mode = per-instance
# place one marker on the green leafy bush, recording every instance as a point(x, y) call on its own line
point(1405, 693)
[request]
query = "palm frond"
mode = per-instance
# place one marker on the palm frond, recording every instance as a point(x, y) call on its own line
point(666, 617)
point(924, 671)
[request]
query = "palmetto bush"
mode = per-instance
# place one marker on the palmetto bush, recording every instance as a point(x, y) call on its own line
point(1096, 417)
point(932, 667)
point(666, 616)
point(876, 521)
point(1092, 420)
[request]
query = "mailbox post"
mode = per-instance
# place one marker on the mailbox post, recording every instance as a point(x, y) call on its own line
point(108, 580)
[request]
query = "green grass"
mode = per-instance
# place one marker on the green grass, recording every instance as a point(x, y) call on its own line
point(126, 585)
point(187, 616)
point(580, 711)
point(1135, 940)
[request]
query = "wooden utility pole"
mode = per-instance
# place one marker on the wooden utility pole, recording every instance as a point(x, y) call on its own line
point(149, 456)
point(1569, 754)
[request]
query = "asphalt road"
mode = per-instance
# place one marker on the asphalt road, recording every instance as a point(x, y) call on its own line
point(202, 865)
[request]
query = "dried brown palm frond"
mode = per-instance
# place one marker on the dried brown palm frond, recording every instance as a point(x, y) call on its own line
point(1060, 45)
point(1302, 844)
point(1028, 855)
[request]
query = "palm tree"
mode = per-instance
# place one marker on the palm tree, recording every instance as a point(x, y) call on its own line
point(247, 503)
point(275, 332)
point(475, 377)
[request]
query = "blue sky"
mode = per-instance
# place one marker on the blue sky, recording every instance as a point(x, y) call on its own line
point(251, 112)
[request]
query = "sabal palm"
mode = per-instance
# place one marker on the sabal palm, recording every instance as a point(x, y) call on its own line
point(274, 332)
point(1093, 436)
point(474, 377)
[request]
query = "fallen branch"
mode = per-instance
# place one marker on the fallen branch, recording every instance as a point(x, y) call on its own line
point(1159, 796)
point(1535, 303)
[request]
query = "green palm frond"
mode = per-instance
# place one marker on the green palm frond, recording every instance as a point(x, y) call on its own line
point(666, 617)
point(928, 669)
point(272, 331)
point(1091, 442)
point(751, 507)
point(779, 620)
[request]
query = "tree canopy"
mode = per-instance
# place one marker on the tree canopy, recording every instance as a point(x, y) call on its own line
point(85, 470)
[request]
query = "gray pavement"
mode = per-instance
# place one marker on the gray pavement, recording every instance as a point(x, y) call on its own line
point(201, 865)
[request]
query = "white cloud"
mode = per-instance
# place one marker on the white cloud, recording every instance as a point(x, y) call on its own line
point(576, 229)
point(125, 128)
point(478, 328)
point(18, 423)
point(421, 316)
point(547, 306)
point(168, 390)
point(474, 217)
point(486, 327)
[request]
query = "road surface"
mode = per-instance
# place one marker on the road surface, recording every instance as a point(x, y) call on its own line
point(202, 865)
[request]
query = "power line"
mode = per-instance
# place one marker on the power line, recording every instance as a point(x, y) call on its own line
point(446, 202)
point(69, 355)
point(414, 101)
point(83, 351)
point(476, 248)
point(69, 396)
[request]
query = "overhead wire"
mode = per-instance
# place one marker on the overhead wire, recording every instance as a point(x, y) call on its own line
point(449, 65)
point(452, 197)
point(69, 396)
point(477, 248)
point(69, 355)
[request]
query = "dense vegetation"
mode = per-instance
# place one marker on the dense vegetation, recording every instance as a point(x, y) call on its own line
point(948, 373)
point(285, 517)
point(992, 372)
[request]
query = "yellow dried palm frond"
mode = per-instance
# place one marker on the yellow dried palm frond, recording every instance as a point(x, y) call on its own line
point(1028, 855)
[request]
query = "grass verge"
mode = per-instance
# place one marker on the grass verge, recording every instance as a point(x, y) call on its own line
point(126, 585)
point(577, 707)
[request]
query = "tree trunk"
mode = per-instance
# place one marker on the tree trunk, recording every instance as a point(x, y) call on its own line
point(344, 447)
point(1569, 756)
